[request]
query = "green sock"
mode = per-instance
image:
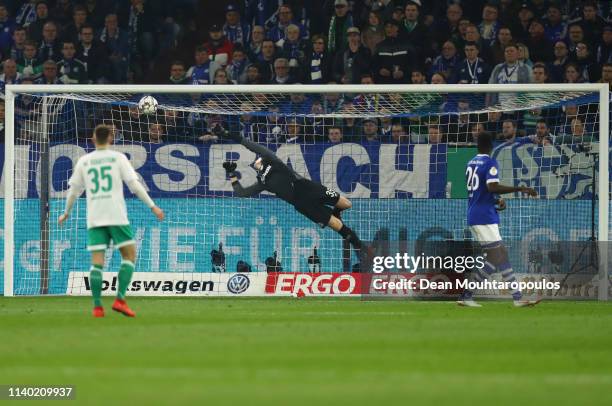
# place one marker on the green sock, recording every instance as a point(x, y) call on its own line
point(125, 276)
point(95, 281)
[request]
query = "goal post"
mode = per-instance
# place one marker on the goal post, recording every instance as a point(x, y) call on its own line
point(8, 174)
point(375, 176)
point(604, 191)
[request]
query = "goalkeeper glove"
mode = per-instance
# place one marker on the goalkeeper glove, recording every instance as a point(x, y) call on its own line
point(230, 168)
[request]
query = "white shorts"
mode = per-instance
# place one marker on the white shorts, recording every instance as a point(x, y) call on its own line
point(486, 234)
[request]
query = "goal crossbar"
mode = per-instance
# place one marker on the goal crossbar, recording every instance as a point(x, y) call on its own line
point(297, 88)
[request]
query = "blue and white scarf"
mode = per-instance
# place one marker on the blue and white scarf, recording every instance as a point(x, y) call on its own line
point(237, 68)
point(236, 34)
point(266, 13)
point(316, 76)
point(26, 15)
point(104, 35)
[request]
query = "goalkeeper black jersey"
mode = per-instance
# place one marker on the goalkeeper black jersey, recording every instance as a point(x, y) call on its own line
point(278, 178)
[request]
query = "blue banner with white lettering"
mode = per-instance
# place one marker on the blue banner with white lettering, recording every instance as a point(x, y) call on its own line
point(372, 170)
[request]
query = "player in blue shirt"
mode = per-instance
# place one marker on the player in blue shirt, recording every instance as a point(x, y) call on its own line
point(484, 202)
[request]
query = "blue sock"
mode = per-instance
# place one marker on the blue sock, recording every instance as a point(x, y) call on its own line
point(508, 276)
point(478, 275)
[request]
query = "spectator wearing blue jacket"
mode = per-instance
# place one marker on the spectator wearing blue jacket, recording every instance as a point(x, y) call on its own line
point(293, 48)
point(285, 18)
point(7, 27)
point(554, 27)
point(203, 72)
point(472, 69)
point(235, 30)
point(447, 61)
point(117, 42)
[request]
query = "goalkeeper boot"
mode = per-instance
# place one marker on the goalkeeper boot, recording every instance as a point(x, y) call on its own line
point(526, 303)
point(122, 307)
point(366, 258)
point(98, 311)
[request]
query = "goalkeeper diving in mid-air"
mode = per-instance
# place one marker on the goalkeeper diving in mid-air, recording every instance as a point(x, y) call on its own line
point(318, 203)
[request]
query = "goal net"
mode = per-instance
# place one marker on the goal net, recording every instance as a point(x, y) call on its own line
point(397, 153)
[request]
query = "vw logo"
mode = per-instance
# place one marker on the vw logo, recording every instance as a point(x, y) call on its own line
point(238, 284)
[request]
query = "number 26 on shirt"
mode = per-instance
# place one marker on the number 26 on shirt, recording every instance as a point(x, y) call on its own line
point(472, 179)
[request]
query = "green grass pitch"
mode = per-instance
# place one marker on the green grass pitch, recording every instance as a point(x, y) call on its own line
point(311, 351)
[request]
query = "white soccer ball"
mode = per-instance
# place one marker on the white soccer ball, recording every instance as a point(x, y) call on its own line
point(147, 105)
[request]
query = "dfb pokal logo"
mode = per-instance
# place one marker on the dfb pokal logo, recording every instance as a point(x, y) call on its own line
point(238, 284)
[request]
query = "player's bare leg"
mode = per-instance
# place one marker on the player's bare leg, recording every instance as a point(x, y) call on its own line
point(342, 204)
point(95, 281)
point(128, 256)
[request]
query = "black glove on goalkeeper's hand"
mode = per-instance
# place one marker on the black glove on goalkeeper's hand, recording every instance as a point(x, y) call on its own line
point(230, 168)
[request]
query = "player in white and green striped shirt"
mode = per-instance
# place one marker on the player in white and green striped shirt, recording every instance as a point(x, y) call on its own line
point(101, 174)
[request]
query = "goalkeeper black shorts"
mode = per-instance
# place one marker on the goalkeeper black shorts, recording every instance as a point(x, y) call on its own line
point(313, 200)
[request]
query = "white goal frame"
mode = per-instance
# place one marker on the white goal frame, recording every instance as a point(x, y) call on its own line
point(12, 91)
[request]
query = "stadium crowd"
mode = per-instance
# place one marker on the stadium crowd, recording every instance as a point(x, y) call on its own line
point(314, 42)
